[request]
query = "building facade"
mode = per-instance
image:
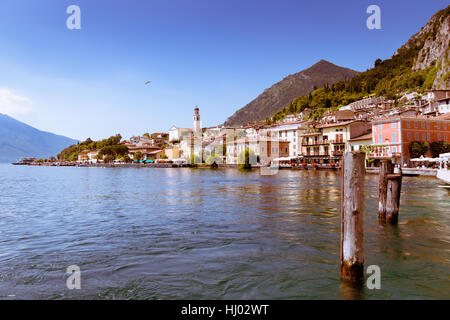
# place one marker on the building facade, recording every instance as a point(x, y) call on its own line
point(393, 136)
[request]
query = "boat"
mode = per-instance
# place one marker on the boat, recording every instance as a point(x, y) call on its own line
point(443, 173)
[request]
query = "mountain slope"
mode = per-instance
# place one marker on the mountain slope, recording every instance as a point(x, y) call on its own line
point(422, 63)
point(433, 39)
point(282, 93)
point(18, 140)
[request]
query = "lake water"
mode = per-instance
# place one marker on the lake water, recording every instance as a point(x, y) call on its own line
point(205, 234)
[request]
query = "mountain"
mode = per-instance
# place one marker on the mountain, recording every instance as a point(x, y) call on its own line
point(422, 63)
point(282, 93)
point(433, 41)
point(18, 140)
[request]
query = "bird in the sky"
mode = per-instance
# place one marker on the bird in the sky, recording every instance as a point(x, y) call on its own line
point(148, 82)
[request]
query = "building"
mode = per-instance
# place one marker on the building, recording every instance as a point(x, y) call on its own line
point(88, 156)
point(156, 155)
point(438, 102)
point(263, 146)
point(176, 135)
point(392, 136)
point(290, 133)
point(356, 144)
point(83, 156)
point(172, 152)
point(326, 143)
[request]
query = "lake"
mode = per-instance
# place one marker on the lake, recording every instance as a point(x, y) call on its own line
point(209, 234)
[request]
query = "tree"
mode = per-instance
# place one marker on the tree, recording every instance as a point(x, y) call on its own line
point(418, 149)
point(213, 158)
point(439, 147)
point(126, 159)
point(109, 158)
point(116, 151)
point(245, 159)
point(138, 156)
point(378, 62)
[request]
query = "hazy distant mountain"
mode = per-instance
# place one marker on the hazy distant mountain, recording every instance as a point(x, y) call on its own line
point(18, 140)
point(282, 93)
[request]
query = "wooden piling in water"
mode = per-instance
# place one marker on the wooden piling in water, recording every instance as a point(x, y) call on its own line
point(386, 169)
point(352, 217)
point(394, 187)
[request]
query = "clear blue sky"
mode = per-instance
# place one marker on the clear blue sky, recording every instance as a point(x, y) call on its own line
point(216, 54)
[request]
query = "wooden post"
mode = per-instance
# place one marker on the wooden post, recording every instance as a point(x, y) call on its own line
point(386, 168)
point(352, 217)
point(394, 187)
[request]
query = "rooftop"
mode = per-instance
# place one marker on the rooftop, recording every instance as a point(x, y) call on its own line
point(367, 136)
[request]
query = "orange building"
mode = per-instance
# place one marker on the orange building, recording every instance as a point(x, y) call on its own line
point(393, 136)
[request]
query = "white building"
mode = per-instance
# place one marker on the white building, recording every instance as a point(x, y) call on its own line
point(291, 133)
point(177, 134)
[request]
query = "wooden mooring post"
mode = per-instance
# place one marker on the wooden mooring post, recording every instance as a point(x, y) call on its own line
point(386, 169)
point(389, 189)
point(352, 217)
point(394, 188)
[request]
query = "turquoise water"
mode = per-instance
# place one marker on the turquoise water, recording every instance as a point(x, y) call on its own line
point(205, 234)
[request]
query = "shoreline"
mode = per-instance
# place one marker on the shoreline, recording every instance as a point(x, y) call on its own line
point(423, 172)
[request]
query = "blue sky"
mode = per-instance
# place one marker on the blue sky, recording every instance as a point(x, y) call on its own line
point(216, 54)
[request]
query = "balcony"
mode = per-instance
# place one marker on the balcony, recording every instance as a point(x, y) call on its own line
point(317, 154)
point(338, 153)
point(339, 141)
point(385, 155)
point(315, 143)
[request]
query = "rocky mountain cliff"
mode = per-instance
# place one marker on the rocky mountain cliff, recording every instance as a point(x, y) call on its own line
point(433, 40)
point(282, 93)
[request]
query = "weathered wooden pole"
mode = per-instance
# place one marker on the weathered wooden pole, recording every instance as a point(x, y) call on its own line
point(352, 217)
point(386, 168)
point(394, 187)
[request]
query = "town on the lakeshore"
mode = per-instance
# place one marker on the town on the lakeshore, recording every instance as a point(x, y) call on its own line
point(411, 127)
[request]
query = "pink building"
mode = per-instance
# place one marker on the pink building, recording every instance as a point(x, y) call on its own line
point(394, 135)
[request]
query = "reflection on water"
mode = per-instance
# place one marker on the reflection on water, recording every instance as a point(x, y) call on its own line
point(217, 234)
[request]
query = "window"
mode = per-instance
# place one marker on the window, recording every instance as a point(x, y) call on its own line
point(394, 137)
point(416, 125)
point(380, 126)
point(423, 137)
point(394, 149)
point(428, 136)
point(408, 124)
point(422, 124)
point(380, 138)
point(393, 125)
point(428, 125)
point(445, 137)
point(417, 136)
point(444, 126)
point(438, 125)
point(409, 136)
point(439, 136)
